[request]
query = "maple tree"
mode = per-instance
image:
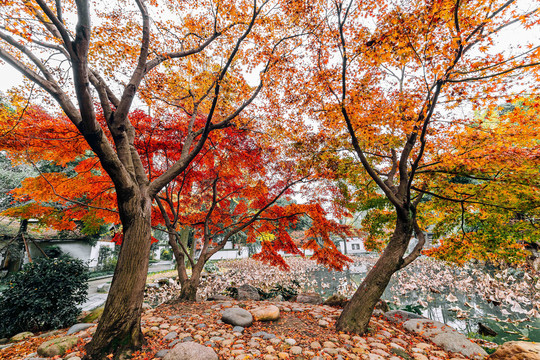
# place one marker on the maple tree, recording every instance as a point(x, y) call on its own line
point(387, 81)
point(205, 49)
point(231, 188)
point(485, 206)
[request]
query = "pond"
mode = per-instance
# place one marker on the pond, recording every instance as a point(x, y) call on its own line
point(505, 300)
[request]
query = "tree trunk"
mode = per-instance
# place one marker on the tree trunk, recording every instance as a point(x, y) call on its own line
point(15, 254)
point(119, 330)
point(188, 292)
point(357, 313)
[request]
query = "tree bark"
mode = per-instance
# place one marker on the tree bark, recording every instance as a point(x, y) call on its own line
point(189, 287)
point(15, 254)
point(357, 313)
point(120, 332)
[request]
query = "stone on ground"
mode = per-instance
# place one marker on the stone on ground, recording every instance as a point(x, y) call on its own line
point(237, 317)
point(400, 316)
point(265, 313)
point(191, 351)
point(248, 292)
point(21, 336)
point(57, 346)
point(78, 327)
point(517, 350)
point(445, 336)
point(309, 298)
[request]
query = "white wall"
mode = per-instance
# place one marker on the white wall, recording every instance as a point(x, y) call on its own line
point(76, 249)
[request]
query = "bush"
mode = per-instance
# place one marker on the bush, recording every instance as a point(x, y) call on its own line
point(53, 251)
point(166, 255)
point(43, 295)
point(211, 267)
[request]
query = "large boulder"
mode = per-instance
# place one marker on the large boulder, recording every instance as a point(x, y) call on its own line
point(191, 351)
point(21, 336)
point(265, 313)
point(445, 336)
point(309, 298)
point(517, 350)
point(57, 346)
point(400, 316)
point(248, 292)
point(237, 317)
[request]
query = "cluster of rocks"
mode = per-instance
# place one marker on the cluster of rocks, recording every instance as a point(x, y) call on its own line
point(59, 344)
point(283, 330)
point(226, 329)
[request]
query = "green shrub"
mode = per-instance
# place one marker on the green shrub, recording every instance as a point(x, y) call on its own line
point(53, 251)
point(166, 255)
point(211, 267)
point(43, 295)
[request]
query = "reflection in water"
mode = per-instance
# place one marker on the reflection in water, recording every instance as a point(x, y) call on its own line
point(462, 299)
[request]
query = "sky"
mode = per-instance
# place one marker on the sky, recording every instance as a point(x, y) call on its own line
point(9, 77)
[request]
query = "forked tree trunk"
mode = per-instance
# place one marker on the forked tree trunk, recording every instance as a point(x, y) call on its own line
point(119, 332)
point(357, 313)
point(189, 287)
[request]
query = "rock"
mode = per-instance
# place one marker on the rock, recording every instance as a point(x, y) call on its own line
point(400, 352)
point(161, 353)
point(78, 327)
point(170, 336)
point(4, 341)
point(336, 300)
point(309, 298)
point(73, 355)
point(296, 350)
point(290, 342)
point(517, 350)
point(239, 329)
point(400, 316)
point(191, 351)
point(93, 315)
point(445, 336)
point(536, 265)
point(21, 336)
point(103, 288)
point(265, 313)
point(57, 346)
point(323, 323)
point(237, 317)
point(248, 292)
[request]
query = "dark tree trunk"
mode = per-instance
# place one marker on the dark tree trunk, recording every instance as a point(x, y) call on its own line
point(357, 313)
point(188, 291)
point(15, 254)
point(119, 331)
